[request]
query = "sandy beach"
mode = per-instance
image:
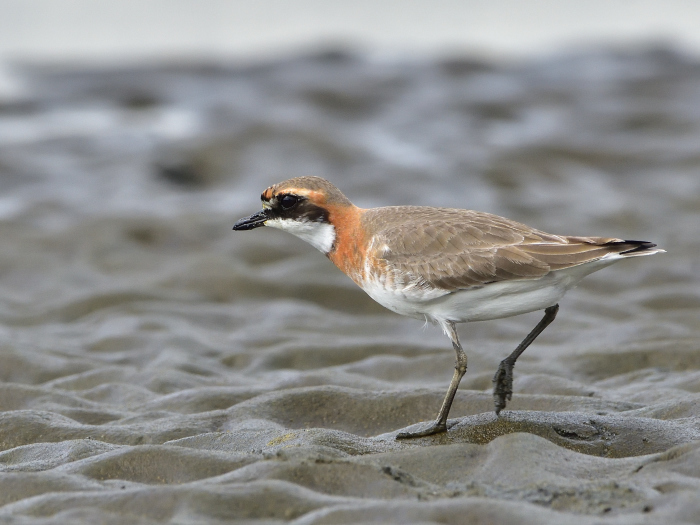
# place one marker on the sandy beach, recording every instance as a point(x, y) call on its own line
point(157, 367)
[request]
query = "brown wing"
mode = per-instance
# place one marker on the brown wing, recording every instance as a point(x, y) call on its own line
point(452, 249)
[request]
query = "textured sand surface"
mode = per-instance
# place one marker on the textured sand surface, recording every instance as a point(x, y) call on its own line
point(157, 367)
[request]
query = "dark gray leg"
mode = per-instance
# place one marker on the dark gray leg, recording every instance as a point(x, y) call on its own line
point(440, 424)
point(503, 380)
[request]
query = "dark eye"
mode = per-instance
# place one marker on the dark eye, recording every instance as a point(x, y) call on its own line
point(288, 201)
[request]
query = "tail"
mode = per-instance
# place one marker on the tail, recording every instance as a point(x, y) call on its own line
point(634, 248)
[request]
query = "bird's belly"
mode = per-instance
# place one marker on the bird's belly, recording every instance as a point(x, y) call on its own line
point(490, 301)
point(497, 300)
point(410, 301)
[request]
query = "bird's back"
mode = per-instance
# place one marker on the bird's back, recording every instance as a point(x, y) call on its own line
point(451, 249)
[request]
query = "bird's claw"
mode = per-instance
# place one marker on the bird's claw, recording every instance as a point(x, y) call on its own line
point(435, 428)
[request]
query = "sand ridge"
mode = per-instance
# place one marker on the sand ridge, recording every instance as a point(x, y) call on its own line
point(156, 367)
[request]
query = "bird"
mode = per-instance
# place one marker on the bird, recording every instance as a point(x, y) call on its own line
point(442, 265)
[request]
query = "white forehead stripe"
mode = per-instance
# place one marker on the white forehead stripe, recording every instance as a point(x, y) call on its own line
point(320, 235)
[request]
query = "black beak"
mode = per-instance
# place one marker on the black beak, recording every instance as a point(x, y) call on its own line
point(254, 221)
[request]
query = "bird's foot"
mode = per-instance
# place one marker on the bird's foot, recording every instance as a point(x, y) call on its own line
point(503, 385)
point(435, 428)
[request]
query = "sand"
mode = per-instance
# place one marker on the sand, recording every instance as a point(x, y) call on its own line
point(156, 367)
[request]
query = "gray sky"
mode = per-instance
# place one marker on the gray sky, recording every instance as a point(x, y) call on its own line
point(247, 29)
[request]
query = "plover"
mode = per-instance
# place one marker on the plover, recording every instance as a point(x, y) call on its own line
point(443, 265)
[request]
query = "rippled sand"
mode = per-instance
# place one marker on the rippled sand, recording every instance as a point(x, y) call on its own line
point(157, 367)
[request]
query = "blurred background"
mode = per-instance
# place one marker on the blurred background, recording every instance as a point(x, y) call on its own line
point(158, 29)
point(133, 134)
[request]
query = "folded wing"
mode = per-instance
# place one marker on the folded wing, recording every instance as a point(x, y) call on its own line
point(450, 249)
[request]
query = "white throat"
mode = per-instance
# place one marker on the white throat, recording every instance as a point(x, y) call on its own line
point(320, 235)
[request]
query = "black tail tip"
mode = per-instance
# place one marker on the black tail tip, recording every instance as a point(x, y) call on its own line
point(637, 246)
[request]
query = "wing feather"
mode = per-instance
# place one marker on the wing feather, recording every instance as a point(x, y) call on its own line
point(450, 249)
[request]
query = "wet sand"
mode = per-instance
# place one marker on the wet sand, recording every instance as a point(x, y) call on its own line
point(157, 367)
